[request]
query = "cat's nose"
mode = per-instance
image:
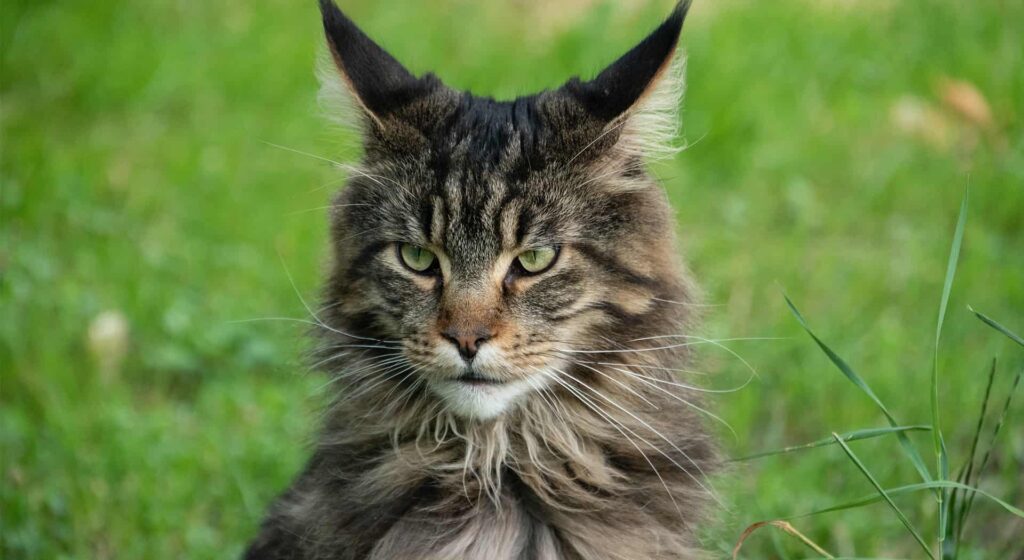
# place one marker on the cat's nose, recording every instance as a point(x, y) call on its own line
point(468, 341)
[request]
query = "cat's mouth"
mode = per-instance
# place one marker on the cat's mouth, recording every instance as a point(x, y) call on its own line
point(477, 379)
point(473, 394)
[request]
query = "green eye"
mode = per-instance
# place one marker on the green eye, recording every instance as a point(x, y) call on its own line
point(537, 260)
point(416, 257)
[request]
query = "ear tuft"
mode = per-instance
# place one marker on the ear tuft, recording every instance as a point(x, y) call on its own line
point(651, 128)
point(623, 83)
point(379, 83)
point(337, 101)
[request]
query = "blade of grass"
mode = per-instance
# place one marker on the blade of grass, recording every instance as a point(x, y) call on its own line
point(945, 552)
point(968, 468)
point(909, 489)
point(784, 526)
point(992, 442)
point(905, 443)
point(848, 436)
point(949, 544)
point(882, 492)
point(992, 323)
point(941, 460)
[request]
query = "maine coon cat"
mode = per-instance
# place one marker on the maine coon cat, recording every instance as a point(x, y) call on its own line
point(504, 321)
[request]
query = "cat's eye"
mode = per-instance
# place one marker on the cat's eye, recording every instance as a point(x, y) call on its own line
point(417, 258)
point(537, 260)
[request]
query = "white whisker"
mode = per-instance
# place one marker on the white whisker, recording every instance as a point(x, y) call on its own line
point(310, 310)
point(328, 207)
point(686, 303)
point(653, 430)
point(621, 384)
point(673, 383)
point(684, 401)
point(301, 153)
point(621, 429)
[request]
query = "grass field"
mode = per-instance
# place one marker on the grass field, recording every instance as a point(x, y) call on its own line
point(831, 143)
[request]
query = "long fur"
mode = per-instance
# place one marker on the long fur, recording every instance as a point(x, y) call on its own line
point(588, 445)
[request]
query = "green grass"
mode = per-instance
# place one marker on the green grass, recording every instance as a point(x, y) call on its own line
point(135, 175)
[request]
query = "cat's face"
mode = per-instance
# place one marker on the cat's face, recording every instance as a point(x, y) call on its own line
point(485, 247)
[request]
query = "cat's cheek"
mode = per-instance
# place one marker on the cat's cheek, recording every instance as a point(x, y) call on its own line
point(448, 361)
point(433, 361)
point(490, 362)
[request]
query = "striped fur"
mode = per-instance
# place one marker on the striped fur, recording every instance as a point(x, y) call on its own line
point(590, 447)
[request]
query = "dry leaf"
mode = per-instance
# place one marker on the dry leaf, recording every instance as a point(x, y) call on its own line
point(916, 117)
point(967, 101)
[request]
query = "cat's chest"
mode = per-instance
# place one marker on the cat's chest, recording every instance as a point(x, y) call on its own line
point(508, 532)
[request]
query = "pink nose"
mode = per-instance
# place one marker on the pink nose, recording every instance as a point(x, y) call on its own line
point(468, 341)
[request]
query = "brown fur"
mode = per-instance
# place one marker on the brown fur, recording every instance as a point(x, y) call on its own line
point(600, 452)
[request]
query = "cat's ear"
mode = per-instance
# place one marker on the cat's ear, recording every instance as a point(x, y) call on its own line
point(378, 83)
point(637, 96)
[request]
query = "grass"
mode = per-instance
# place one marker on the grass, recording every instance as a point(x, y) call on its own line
point(952, 513)
point(827, 155)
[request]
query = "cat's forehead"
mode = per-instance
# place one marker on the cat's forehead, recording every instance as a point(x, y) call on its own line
point(479, 168)
point(494, 137)
point(481, 186)
point(486, 189)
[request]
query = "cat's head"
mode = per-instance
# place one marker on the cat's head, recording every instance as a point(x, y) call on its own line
point(482, 247)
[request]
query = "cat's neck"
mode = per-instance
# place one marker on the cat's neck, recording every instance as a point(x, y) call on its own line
point(569, 454)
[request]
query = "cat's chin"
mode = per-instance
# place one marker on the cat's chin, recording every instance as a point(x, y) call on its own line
point(479, 401)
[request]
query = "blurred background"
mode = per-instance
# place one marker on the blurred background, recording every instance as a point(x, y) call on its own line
point(151, 219)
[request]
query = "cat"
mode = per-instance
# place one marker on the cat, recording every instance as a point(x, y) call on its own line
point(503, 323)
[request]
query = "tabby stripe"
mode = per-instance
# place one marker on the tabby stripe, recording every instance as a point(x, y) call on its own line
point(523, 224)
point(364, 255)
point(497, 219)
point(427, 218)
point(561, 318)
point(615, 267)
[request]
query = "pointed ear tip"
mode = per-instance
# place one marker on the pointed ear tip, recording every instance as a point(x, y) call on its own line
point(682, 6)
point(672, 27)
point(679, 13)
point(331, 13)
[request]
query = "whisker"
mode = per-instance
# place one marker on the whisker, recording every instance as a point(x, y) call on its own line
point(698, 340)
point(342, 354)
point(620, 428)
point(557, 408)
point(653, 430)
point(336, 182)
point(403, 399)
point(358, 233)
point(328, 207)
point(595, 140)
point(673, 383)
point(345, 352)
point(410, 372)
point(663, 368)
point(686, 402)
point(368, 371)
point(301, 153)
point(353, 375)
point(621, 384)
point(717, 343)
point(687, 303)
point(624, 350)
point(310, 310)
point(330, 358)
point(389, 373)
point(384, 343)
